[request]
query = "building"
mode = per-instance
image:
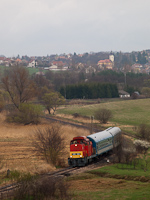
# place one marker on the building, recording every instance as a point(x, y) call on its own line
point(105, 64)
point(32, 64)
point(123, 94)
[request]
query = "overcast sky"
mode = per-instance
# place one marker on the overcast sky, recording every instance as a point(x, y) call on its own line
point(41, 27)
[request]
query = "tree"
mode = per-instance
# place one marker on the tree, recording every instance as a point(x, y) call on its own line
point(146, 91)
point(103, 115)
point(49, 143)
point(18, 85)
point(52, 100)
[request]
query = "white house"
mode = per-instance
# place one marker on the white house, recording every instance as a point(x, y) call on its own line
point(123, 94)
point(32, 64)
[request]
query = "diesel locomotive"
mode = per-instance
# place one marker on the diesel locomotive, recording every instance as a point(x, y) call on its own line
point(83, 149)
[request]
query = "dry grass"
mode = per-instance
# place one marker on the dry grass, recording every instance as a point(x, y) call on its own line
point(16, 147)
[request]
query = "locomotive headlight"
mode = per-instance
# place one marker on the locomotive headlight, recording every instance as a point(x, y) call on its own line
point(80, 155)
point(70, 156)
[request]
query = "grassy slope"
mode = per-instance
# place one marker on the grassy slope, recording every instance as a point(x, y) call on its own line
point(127, 112)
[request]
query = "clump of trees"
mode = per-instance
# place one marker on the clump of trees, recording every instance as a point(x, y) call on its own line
point(90, 91)
point(49, 144)
point(103, 115)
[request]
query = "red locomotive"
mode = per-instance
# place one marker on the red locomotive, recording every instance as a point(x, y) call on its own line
point(81, 151)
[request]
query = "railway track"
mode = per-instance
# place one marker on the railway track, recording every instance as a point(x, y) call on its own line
point(6, 191)
point(85, 126)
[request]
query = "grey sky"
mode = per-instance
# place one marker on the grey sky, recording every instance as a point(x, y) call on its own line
point(41, 27)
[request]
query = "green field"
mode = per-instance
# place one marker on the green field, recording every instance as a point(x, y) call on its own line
point(127, 112)
point(90, 186)
point(31, 70)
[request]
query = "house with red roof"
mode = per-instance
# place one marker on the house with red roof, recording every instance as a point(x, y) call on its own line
point(58, 63)
point(105, 64)
point(2, 60)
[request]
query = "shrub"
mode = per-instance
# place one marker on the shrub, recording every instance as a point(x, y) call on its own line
point(141, 146)
point(27, 113)
point(76, 115)
point(2, 103)
point(103, 115)
point(143, 132)
point(35, 188)
point(49, 143)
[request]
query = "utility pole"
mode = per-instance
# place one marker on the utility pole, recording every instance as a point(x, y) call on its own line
point(92, 118)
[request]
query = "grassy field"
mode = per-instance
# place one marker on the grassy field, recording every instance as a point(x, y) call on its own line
point(31, 70)
point(108, 189)
point(113, 182)
point(16, 149)
point(127, 114)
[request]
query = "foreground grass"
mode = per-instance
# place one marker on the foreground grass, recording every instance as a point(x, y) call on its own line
point(123, 170)
point(121, 190)
point(92, 185)
point(84, 187)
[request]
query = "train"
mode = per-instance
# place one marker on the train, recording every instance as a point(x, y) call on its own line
point(84, 149)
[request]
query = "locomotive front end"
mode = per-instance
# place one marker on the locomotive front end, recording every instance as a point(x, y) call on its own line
point(78, 151)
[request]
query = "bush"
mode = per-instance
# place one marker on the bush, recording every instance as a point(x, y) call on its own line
point(35, 188)
point(2, 102)
point(143, 132)
point(76, 115)
point(103, 115)
point(2, 105)
point(27, 113)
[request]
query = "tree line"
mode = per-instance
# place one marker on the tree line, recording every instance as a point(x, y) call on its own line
point(89, 91)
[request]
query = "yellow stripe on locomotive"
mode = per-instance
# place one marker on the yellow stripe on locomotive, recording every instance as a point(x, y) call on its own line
point(76, 154)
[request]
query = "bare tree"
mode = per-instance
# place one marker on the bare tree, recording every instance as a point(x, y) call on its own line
point(19, 86)
point(49, 143)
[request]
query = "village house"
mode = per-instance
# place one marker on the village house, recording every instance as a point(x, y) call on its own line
point(56, 68)
point(105, 64)
point(137, 68)
point(58, 63)
point(32, 64)
point(2, 59)
point(90, 69)
point(123, 94)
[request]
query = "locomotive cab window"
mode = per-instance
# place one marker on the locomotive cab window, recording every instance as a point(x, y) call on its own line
point(74, 142)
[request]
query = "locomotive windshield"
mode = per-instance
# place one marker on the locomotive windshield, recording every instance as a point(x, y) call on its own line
point(78, 142)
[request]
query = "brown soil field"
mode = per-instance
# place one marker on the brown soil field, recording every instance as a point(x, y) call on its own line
point(16, 150)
